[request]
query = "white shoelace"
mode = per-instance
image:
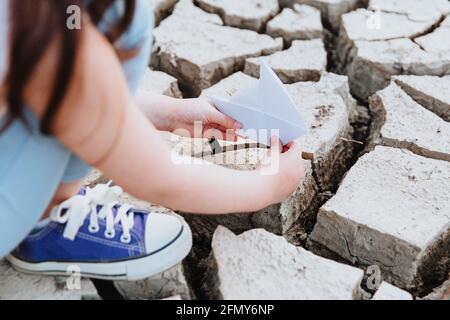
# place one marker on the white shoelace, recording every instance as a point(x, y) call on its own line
point(75, 210)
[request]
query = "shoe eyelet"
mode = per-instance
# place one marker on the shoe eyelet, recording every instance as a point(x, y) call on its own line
point(110, 234)
point(93, 229)
point(125, 239)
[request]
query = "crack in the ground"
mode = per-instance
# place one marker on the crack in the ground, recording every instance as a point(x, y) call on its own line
point(414, 94)
point(429, 30)
point(354, 258)
point(222, 14)
point(376, 137)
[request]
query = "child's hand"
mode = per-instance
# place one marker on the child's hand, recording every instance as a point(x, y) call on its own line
point(214, 123)
point(287, 169)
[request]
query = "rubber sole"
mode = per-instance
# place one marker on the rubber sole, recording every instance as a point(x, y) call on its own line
point(131, 270)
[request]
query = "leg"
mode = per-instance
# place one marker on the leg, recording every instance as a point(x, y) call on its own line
point(64, 192)
point(70, 184)
point(31, 168)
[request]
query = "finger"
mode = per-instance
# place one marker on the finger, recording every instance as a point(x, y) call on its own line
point(224, 120)
point(286, 147)
point(182, 132)
point(213, 133)
point(227, 134)
point(275, 144)
point(242, 135)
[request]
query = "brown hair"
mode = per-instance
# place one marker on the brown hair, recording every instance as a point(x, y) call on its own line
point(34, 26)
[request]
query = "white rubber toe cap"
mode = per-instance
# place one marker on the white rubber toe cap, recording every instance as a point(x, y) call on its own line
point(160, 231)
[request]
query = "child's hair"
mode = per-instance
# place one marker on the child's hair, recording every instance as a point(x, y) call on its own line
point(34, 24)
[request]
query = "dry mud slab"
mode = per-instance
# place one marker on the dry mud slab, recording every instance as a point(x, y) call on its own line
point(167, 284)
point(327, 109)
point(391, 210)
point(374, 45)
point(158, 82)
point(199, 54)
point(248, 14)
point(188, 10)
point(387, 291)
point(399, 121)
point(437, 41)
point(429, 91)
point(261, 265)
point(373, 63)
point(20, 286)
point(300, 23)
point(303, 61)
point(419, 10)
point(331, 10)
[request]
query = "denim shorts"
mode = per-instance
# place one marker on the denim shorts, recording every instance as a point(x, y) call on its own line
point(33, 165)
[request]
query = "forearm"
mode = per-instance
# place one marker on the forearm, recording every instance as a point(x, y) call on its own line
point(158, 109)
point(211, 189)
point(147, 169)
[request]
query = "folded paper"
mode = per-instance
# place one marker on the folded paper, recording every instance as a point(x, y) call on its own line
point(264, 109)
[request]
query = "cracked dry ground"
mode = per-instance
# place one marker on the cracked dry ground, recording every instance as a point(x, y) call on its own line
point(372, 80)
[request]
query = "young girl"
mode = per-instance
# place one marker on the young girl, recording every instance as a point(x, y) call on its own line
point(68, 102)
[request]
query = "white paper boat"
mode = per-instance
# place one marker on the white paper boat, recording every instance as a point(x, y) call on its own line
point(264, 107)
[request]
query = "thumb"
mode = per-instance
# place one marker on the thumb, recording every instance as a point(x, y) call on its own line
point(275, 144)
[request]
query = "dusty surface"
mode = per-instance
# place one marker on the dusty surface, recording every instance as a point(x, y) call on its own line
point(387, 291)
point(260, 265)
point(165, 285)
point(392, 26)
point(391, 208)
point(20, 286)
point(303, 61)
point(376, 188)
point(188, 10)
point(375, 62)
point(327, 109)
point(366, 223)
point(419, 10)
point(248, 14)
point(393, 38)
point(199, 54)
point(300, 23)
point(399, 121)
point(430, 92)
point(158, 82)
point(331, 10)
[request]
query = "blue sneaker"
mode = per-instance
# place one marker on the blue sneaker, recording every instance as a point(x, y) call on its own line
point(103, 239)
